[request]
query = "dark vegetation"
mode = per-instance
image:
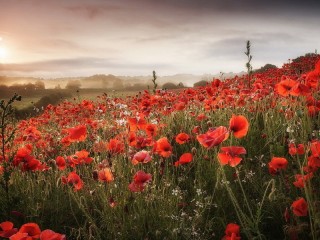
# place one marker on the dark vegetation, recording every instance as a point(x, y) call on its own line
point(37, 108)
point(201, 83)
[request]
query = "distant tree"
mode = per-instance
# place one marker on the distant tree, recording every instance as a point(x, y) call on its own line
point(58, 87)
point(201, 83)
point(29, 87)
point(73, 85)
point(169, 85)
point(265, 67)
point(311, 54)
point(180, 85)
point(39, 85)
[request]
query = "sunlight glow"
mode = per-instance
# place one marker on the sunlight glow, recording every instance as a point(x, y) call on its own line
point(3, 53)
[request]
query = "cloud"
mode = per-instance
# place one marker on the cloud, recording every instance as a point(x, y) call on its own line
point(58, 64)
point(77, 65)
point(92, 10)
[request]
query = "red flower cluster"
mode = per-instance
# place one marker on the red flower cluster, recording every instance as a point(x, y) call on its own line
point(28, 231)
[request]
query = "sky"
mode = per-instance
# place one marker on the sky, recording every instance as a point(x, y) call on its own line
point(64, 38)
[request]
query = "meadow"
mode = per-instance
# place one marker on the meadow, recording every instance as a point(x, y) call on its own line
point(236, 159)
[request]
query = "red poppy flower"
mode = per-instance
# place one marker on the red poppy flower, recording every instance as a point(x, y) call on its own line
point(151, 129)
point(141, 157)
point(132, 138)
point(24, 151)
point(201, 117)
point(313, 163)
point(80, 157)
point(140, 179)
point(293, 150)
point(184, 159)
point(61, 163)
point(315, 149)
point(31, 229)
point(105, 175)
point(73, 179)
point(7, 229)
point(51, 235)
point(230, 155)
point(23, 154)
point(163, 147)
point(300, 89)
point(301, 179)
point(239, 125)
point(31, 164)
point(31, 134)
point(20, 236)
point(180, 106)
point(182, 138)
point(77, 134)
point(276, 164)
point(300, 207)
point(213, 137)
point(136, 123)
point(313, 77)
point(115, 146)
point(284, 87)
point(232, 232)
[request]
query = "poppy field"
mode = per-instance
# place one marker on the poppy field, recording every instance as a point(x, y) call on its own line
point(236, 159)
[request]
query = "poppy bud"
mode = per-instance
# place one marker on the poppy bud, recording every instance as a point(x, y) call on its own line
point(209, 123)
point(286, 215)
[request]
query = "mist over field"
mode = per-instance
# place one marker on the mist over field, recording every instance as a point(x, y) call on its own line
point(114, 82)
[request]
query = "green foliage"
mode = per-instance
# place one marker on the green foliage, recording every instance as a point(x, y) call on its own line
point(38, 107)
point(7, 135)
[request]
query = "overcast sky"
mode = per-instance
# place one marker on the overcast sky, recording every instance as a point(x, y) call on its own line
point(55, 38)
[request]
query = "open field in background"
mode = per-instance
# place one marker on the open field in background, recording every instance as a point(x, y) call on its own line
point(70, 95)
point(235, 159)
